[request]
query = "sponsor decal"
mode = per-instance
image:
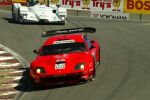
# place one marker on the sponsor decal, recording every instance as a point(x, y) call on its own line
point(137, 6)
point(60, 60)
point(63, 41)
point(109, 15)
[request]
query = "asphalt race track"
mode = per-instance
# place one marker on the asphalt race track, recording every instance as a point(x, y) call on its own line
point(124, 73)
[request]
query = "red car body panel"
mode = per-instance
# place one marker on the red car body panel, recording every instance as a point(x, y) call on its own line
point(68, 74)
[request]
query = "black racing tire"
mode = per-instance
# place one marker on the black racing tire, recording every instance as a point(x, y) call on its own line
point(94, 74)
point(19, 17)
point(34, 85)
point(13, 15)
point(91, 78)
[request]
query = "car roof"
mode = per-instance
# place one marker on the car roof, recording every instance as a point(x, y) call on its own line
point(78, 37)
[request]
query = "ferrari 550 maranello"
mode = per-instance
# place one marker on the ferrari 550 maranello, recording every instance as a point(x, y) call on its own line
point(67, 56)
point(43, 13)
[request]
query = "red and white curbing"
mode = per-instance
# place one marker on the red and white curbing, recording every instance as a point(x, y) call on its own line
point(11, 73)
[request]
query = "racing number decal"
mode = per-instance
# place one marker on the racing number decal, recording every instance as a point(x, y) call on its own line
point(60, 66)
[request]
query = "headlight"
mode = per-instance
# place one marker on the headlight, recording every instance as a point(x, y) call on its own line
point(63, 18)
point(24, 15)
point(40, 70)
point(80, 66)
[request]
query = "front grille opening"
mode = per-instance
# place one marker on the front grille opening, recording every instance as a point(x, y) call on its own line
point(62, 78)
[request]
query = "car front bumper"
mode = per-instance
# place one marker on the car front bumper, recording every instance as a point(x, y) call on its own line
point(69, 78)
point(43, 21)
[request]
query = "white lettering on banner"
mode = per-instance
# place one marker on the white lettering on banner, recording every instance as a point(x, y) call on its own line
point(109, 15)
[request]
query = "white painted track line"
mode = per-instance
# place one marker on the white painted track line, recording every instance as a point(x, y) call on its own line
point(3, 52)
point(19, 71)
point(6, 58)
point(18, 78)
point(8, 93)
point(12, 85)
point(5, 64)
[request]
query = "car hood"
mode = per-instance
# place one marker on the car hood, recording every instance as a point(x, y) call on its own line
point(43, 12)
point(70, 60)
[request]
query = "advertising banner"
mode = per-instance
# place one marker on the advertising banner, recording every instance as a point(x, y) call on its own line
point(5, 2)
point(137, 6)
point(100, 5)
point(21, 1)
point(107, 5)
point(109, 15)
point(9, 2)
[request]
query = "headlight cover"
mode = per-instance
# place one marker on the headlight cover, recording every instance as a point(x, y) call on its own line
point(80, 66)
point(24, 16)
point(40, 70)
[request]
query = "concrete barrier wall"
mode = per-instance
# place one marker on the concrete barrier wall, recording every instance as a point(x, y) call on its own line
point(134, 16)
point(87, 13)
point(5, 7)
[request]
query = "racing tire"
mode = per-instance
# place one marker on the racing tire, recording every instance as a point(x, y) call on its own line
point(34, 85)
point(98, 62)
point(63, 23)
point(19, 17)
point(13, 15)
point(92, 77)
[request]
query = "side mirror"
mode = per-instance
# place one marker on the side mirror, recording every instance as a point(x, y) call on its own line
point(35, 51)
point(92, 41)
point(92, 47)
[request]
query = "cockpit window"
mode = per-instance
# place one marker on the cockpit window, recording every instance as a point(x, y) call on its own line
point(63, 48)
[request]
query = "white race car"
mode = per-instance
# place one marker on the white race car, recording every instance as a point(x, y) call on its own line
point(39, 13)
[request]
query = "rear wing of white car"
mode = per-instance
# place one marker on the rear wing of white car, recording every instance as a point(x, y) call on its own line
point(69, 31)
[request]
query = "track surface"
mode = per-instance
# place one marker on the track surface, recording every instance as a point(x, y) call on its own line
point(125, 50)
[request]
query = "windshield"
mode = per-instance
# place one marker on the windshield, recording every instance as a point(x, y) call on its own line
point(63, 48)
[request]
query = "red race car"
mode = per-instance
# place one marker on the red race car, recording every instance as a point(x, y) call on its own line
point(67, 56)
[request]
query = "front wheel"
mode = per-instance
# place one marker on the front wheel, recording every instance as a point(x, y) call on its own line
point(13, 15)
point(92, 76)
point(34, 85)
point(19, 20)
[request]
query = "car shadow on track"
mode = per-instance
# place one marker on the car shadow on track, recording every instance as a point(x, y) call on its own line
point(10, 20)
point(26, 85)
